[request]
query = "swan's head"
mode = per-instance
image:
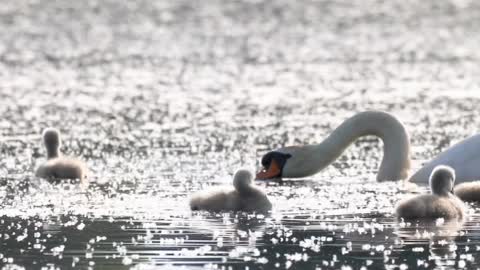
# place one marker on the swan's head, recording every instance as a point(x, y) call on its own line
point(291, 161)
point(442, 180)
point(51, 140)
point(242, 180)
point(273, 164)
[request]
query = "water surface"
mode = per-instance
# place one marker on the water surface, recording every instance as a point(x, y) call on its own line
point(162, 99)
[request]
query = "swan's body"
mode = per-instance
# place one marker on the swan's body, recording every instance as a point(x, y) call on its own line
point(62, 168)
point(58, 167)
point(440, 204)
point(243, 197)
point(468, 192)
point(302, 161)
point(463, 157)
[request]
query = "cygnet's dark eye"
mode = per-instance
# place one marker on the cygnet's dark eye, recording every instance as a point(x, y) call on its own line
point(195, 208)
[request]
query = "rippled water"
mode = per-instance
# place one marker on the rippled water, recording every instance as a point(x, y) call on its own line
point(164, 98)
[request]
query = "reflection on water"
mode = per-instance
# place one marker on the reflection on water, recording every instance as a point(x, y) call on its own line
point(292, 236)
point(440, 235)
point(166, 98)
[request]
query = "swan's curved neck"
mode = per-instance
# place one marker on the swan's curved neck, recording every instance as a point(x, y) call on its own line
point(396, 143)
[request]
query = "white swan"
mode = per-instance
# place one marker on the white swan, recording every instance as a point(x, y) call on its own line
point(243, 197)
point(58, 167)
point(302, 161)
point(440, 204)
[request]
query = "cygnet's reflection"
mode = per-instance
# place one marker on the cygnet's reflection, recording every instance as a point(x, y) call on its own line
point(439, 234)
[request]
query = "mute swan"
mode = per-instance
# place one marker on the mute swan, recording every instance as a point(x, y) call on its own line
point(57, 167)
point(243, 197)
point(440, 204)
point(468, 192)
point(302, 161)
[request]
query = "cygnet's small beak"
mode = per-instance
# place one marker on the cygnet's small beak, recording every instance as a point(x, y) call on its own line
point(273, 171)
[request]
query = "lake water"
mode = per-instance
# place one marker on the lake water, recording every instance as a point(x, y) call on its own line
point(165, 98)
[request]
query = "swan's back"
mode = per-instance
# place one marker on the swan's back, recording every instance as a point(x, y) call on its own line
point(431, 206)
point(468, 192)
point(255, 200)
point(462, 157)
point(62, 168)
point(218, 199)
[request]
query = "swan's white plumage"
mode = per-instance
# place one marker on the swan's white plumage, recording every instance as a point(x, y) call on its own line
point(58, 167)
point(244, 196)
point(440, 204)
point(463, 157)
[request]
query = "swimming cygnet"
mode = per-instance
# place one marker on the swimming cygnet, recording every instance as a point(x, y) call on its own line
point(58, 167)
point(468, 192)
point(440, 204)
point(243, 197)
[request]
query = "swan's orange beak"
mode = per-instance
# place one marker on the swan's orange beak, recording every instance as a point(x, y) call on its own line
point(272, 171)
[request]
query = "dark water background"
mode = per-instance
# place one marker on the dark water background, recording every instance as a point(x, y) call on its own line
point(164, 98)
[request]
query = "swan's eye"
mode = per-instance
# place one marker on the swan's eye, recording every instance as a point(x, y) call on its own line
point(280, 158)
point(266, 160)
point(195, 208)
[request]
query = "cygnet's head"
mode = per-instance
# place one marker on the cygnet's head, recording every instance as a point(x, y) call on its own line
point(442, 180)
point(51, 139)
point(242, 180)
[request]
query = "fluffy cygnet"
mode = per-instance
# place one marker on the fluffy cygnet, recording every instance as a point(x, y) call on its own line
point(440, 204)
point(243, 197)
point(468, 192)
point(58, 167)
